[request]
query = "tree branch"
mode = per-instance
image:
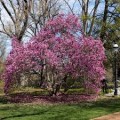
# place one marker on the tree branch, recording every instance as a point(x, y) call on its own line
point(9, 13)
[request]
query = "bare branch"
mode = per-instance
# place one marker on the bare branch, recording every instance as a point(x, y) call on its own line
point(93, 16)
point(26, 9)
point(13, 7)
point(103, 28)
point(9, 13)
point(4, 29)
point(69, 6)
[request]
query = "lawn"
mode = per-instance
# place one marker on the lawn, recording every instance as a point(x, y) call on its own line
point(34, 111)
point(81, 111)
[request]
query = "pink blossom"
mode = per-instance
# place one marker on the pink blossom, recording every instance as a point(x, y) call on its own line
point(61, 49)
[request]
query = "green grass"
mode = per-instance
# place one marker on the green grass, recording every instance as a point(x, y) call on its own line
point(81, 111)
point(1, 87)
point(76, 91)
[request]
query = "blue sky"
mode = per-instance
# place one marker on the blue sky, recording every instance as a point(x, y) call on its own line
point(77, 7)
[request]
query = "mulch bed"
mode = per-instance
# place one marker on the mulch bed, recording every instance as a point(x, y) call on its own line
point(61, 98)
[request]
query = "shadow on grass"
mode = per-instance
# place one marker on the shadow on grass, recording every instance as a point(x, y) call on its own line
point(44, 97)
point(79, 111)
point(3, 100)
point(108, 105)
point(23, 115)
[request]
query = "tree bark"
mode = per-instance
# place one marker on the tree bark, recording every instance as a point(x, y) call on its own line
point(103, 28)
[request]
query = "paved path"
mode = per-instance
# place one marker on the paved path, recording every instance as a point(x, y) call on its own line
point(112, 92)
point(114, 116)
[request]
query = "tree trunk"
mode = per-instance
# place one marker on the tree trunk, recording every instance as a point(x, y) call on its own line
point(103, 28)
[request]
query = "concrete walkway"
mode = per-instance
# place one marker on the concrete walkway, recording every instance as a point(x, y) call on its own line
point(112, 92)
point(114, 116)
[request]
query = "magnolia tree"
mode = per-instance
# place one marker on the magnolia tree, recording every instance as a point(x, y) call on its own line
point(57, 53)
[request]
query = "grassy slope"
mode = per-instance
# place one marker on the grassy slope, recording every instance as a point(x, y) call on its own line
point(1, 87)
point(82, 111)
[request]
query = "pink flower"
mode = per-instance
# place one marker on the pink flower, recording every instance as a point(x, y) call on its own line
point(59, 50)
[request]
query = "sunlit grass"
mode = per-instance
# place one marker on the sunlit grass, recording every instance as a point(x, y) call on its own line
point(30, 111)
point(1, 87)
point(81, 111)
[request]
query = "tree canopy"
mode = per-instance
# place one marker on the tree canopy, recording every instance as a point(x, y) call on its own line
point(58, 52)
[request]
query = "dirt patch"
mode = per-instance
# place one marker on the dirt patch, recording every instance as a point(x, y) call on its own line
point(114, 116)
point(62, 98)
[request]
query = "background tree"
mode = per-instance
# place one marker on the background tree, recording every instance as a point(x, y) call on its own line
point(18, 13)
point(41, 11)
point(103, 23)
point(26, 17)
point(87, 15)
point(2, 50)
point(2, 55)
point(57, 53)
point(95, 21)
